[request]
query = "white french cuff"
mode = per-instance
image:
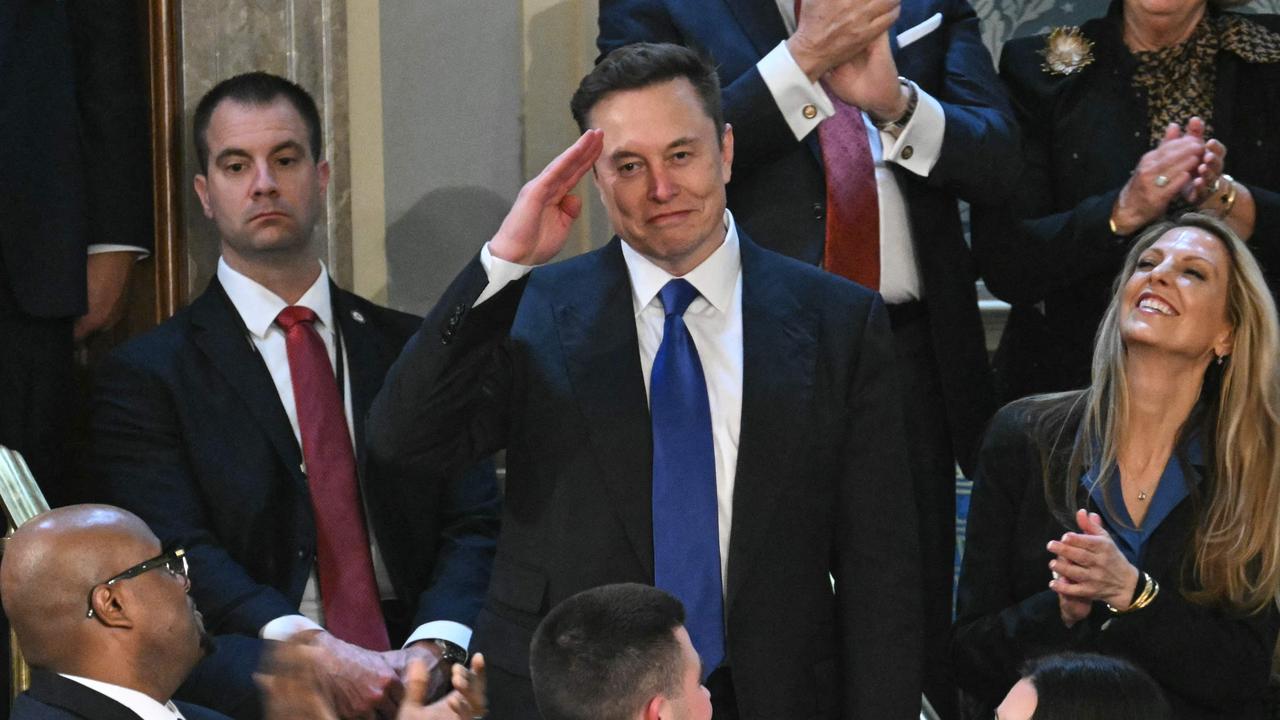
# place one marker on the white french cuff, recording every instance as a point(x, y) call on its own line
point(446, 630)
point(922, 136)
point(285, 627)
point(803, 104)
point(500, 273)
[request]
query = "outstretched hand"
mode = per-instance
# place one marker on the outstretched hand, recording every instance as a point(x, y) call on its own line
point(538, 224)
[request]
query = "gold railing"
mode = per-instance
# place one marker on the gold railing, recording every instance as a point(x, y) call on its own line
point(22, 500)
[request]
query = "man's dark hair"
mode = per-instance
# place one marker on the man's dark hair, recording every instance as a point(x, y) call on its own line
point(603, 653)
point(640, 65)
point(255, 88)
point(1074, 686)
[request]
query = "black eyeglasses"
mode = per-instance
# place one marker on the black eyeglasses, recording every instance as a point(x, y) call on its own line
point(174, 562)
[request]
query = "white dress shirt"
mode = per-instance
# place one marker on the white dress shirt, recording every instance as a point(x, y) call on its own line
point(714, 320)
point(258, 308)
point(144, 705)
point(921, 139)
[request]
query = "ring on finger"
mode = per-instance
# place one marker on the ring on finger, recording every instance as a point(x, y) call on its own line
point(1216, 186)
point(1162, 180)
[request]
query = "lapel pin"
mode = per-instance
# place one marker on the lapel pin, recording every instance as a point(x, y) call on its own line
point(357, 316)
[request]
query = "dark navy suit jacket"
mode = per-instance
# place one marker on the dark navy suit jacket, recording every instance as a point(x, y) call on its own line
point(549, 368)
point(189, 433)
point(778, 191)
point(53, 697)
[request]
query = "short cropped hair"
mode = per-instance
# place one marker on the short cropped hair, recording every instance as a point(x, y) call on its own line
point(1073, 686)
point(640, 65)
point(255, 88)
point(605, 652)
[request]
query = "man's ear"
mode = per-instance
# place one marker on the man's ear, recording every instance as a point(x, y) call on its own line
point(726, 152)
point(202, 189)
point(653, 709)
point(109, 606)
point(322, 168)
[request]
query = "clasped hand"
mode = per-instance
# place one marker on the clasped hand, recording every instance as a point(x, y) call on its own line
point(1184, 165)
point(1088, 567)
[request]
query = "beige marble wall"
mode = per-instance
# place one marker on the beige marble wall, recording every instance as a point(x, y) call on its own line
point(303, 40)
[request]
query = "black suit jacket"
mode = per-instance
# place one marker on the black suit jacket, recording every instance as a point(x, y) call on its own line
point(75, 162)
point(1083, 134)
point(189, 433)
point(778, 191)
point(53, 697)
point(550, 369)
point(1211, 664)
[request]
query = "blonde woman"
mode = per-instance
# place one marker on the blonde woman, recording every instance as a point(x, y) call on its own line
point(1141, 516)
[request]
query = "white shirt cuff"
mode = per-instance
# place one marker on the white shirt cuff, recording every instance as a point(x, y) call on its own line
point(923, 134)
point(285, 627)
point(803, 104)
point(446, 630)
point(501, 273)
point(95, 248)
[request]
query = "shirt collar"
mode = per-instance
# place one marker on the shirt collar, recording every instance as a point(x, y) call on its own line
point(715, 278)
point(258, 306)
point(144, 705)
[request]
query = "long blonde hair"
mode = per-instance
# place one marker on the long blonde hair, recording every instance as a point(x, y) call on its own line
point(1236, 560)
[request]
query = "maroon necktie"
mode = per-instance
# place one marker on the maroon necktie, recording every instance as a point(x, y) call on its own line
point(853, 208)
point(348, 591)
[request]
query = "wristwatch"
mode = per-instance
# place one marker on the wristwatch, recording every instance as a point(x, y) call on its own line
point(451, 652)
point(895, 127)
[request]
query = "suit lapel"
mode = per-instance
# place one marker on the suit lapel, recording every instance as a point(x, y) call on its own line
point(56, 691)
point(221, 336)
point(761, 23)
point(366, 364)
point(595, 320)
point(779, 339)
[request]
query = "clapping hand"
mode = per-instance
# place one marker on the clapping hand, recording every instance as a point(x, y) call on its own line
point(464, 702)
point(1161, 175)
point(1090, 567)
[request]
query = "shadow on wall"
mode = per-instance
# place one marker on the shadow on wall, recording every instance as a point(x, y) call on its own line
point(429, 245)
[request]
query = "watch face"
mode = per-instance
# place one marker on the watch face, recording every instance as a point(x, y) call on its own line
point(452, 652)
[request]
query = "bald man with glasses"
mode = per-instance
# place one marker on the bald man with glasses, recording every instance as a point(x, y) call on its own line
point(103, 617)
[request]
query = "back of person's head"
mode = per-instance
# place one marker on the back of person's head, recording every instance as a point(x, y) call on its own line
point(255, 89)
point(84, 600)
point(1088, 686)
point(640, 65)
point(604, 653)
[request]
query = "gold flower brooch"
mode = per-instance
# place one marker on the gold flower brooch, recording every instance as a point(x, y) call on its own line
point(1066, 51)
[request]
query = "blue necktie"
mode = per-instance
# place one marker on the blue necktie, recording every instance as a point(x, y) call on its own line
point(686, 535)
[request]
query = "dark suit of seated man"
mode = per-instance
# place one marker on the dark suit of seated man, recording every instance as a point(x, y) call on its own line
point(681, 408)
point(142, 634)
point(617, 652)
point(235, 429)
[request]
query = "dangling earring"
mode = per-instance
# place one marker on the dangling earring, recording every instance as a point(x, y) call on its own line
point(1220, 359)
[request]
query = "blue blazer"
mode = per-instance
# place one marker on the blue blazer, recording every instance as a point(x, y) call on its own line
point(549, 369)
point(778, 191)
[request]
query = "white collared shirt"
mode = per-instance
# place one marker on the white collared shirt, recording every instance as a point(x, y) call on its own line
point(144, 705)
point(714, 320)
point(793, 92)
point(258, 307)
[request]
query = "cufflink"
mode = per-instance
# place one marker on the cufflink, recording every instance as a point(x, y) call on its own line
point(907, 152)
point(809, 111)
point(357, 316)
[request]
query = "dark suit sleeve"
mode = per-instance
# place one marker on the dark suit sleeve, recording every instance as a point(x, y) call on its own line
point(114, 113)
point(979, 159)
point(443, 405)
point(468, 531)
point(1028, 248)
point(877, 553)
point(996, 629)
point(142, 465)
point(1213, 657)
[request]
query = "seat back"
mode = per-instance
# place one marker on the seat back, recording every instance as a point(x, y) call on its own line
point(22, 500)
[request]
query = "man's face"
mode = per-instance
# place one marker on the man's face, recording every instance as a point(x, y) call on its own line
point(173, 628)
point(262, 187)
point(694, 702)
point(662, 172)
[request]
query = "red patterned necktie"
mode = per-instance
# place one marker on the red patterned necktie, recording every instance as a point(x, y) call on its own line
point(853, 207)
point(348, 591)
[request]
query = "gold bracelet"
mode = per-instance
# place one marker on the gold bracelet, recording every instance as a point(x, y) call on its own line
point(1149, 592)
point(1229, 198)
